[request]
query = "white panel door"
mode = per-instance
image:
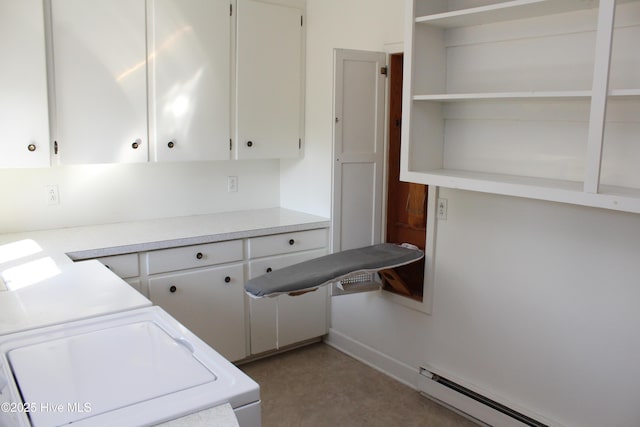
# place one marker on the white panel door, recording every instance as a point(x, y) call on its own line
point(269, 80)
point(24, 122)
point(190, 79)
point(100, 71)
point(358, 149)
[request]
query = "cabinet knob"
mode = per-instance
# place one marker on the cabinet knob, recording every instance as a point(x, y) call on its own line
point(136, 144)
point(249, 144)
point(291, 242)
point(227, 279)
point(269, 270)
point(31, 147)
point(171, 144)
point(199, 255)
point(173, 288)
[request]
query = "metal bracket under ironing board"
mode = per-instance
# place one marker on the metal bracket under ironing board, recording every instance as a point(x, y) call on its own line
point(333, 268)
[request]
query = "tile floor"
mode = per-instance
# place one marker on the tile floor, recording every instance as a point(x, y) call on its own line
point(317, 386)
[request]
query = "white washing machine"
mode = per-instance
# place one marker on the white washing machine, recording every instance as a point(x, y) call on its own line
point(134, 368)
point(97, 354)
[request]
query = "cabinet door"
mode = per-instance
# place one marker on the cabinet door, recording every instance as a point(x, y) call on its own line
point(24, 123)
point(100, 74)
point(208, 302)
point(189, 72)
point(269, 79)
point(283, 320)
point(302, 317)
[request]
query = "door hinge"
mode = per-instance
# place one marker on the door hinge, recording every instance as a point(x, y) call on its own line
point(301, 21)
point(299, 143)
point(384, 70)
point(230, 9)
point(230, 144)
point(55, 147)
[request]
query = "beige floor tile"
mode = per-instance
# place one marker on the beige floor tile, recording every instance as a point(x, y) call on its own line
point(318, 386)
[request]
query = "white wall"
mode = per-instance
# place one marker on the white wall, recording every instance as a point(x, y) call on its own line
point(355, 24)
point(98, 194)
point(534, 302)
point(542, 297)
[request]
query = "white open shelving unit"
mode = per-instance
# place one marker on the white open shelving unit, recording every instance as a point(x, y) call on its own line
point(527, 98)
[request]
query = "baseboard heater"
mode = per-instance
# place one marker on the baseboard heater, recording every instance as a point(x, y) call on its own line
point(472, 404)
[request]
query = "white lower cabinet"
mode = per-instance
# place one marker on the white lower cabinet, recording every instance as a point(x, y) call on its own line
point(202, 286)
point(210, 302)
point(302, 317)
point(284, 320)
point(126, 267)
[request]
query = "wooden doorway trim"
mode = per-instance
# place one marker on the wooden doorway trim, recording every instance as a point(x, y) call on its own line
point(406, 202)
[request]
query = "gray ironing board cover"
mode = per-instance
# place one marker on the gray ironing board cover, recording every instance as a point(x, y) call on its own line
point(331, 268)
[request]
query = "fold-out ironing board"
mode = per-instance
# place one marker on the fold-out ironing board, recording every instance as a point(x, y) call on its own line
point(332, 268)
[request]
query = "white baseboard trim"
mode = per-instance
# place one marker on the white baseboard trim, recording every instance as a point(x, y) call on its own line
point(411, 377)
point(377, 360)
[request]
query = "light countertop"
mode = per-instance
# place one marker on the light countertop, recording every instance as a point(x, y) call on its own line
point(120, 238)
point(51, 294)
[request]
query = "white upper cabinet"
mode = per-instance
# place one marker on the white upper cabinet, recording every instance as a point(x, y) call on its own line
point(100, 75)
point(24, 122)
point(140, 80)
point(269, 80)
point(524, 98)
point(190, 79)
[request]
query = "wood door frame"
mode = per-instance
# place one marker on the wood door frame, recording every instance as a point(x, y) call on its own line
point(430, 242)
point(426, 304)
point(404, 224)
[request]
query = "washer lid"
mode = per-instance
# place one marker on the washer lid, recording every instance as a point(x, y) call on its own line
point(80, 376)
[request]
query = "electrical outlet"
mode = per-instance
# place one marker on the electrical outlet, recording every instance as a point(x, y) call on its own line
point(442, 209)
point(232, 184)
point(53, 198)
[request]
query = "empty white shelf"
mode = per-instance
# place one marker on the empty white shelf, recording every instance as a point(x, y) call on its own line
point(507, 11)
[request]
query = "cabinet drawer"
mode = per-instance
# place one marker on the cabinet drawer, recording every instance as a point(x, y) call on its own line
point(124, 266)
point(265, 265)
point(287, 243)
point(194, 256)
